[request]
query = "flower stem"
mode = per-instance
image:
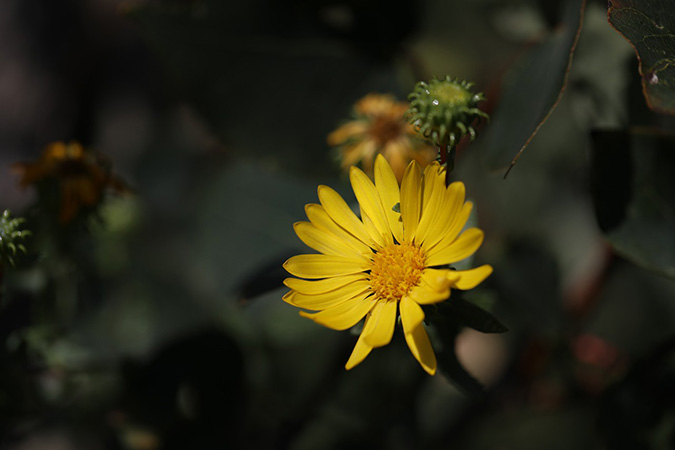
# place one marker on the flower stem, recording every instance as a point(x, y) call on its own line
point(443, 151)
point(451, 162)
point(447, 156)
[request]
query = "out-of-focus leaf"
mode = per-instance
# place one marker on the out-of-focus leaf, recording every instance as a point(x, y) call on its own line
point(265, 279)
point(532, 90)
point(182, 389)
point(634, 195)
point(465, 313)
point(634, 411)
point(649, 26)
point(450, 366)
point(528, 283)
point(612, 186)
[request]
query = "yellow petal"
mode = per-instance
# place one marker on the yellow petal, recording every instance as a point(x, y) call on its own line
point(412, 314)
point(411, 200)
point(339, 211)
point(465, 245)
point(434, 195)
point(420, 347)
point(347, 131)
point(387, 188)
point(350, 155)
point(369, 201)
point(430, 179)
point(362, 150)
point(423, 294)
point(455, 195)
point(320, 219)
point(447, 210)
point(328, 299)
point(361, 350)
point(313, 287)
point(323, 241)
point(397, 154)
point(345, 315)
point(438, 279)
point(379, 327)
point(471, 278)
point(324, 266)
point(368, 154)
point(372, 230)
point(453, 228)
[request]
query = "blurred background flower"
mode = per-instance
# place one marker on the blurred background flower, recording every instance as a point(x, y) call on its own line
point(378, 127)
point(80, 176)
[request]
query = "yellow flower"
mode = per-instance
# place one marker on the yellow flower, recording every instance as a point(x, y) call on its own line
point(379, 127)
point(386, 261)
point(82, 176)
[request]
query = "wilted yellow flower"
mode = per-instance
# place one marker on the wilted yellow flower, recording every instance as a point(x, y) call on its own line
point(385, 263)
point(379, 127)
point(81, 176)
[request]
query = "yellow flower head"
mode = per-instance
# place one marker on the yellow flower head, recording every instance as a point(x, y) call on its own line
point(385, 263)
point(82, 176)
point(379, 127)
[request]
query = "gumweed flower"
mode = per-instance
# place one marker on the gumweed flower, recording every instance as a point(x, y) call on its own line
point(392, 261)
point(81, 176)
point(379, 128)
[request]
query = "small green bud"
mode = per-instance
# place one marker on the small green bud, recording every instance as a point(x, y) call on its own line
point(444, 111)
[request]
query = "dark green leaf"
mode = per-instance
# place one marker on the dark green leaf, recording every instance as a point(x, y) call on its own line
point(612, 180)
point(467, 314)
point(528, 283)
point(634, 195)
point(649, 25)
point(450, 365)
point(532, 90)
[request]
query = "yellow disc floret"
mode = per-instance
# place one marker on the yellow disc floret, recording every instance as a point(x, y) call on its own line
point(395, 270)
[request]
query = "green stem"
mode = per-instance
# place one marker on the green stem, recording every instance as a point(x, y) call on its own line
point(447, 152)
point(443, 151)
point(452, 150)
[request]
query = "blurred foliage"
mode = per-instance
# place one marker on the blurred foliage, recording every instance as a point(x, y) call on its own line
point(634, 195)
point(533, 89)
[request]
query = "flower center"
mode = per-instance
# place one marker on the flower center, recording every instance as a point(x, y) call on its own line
point(385, 128)
point(395, 270)
point(449, 93)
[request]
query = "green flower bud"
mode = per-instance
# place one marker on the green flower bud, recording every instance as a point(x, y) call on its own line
point(444, 111)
